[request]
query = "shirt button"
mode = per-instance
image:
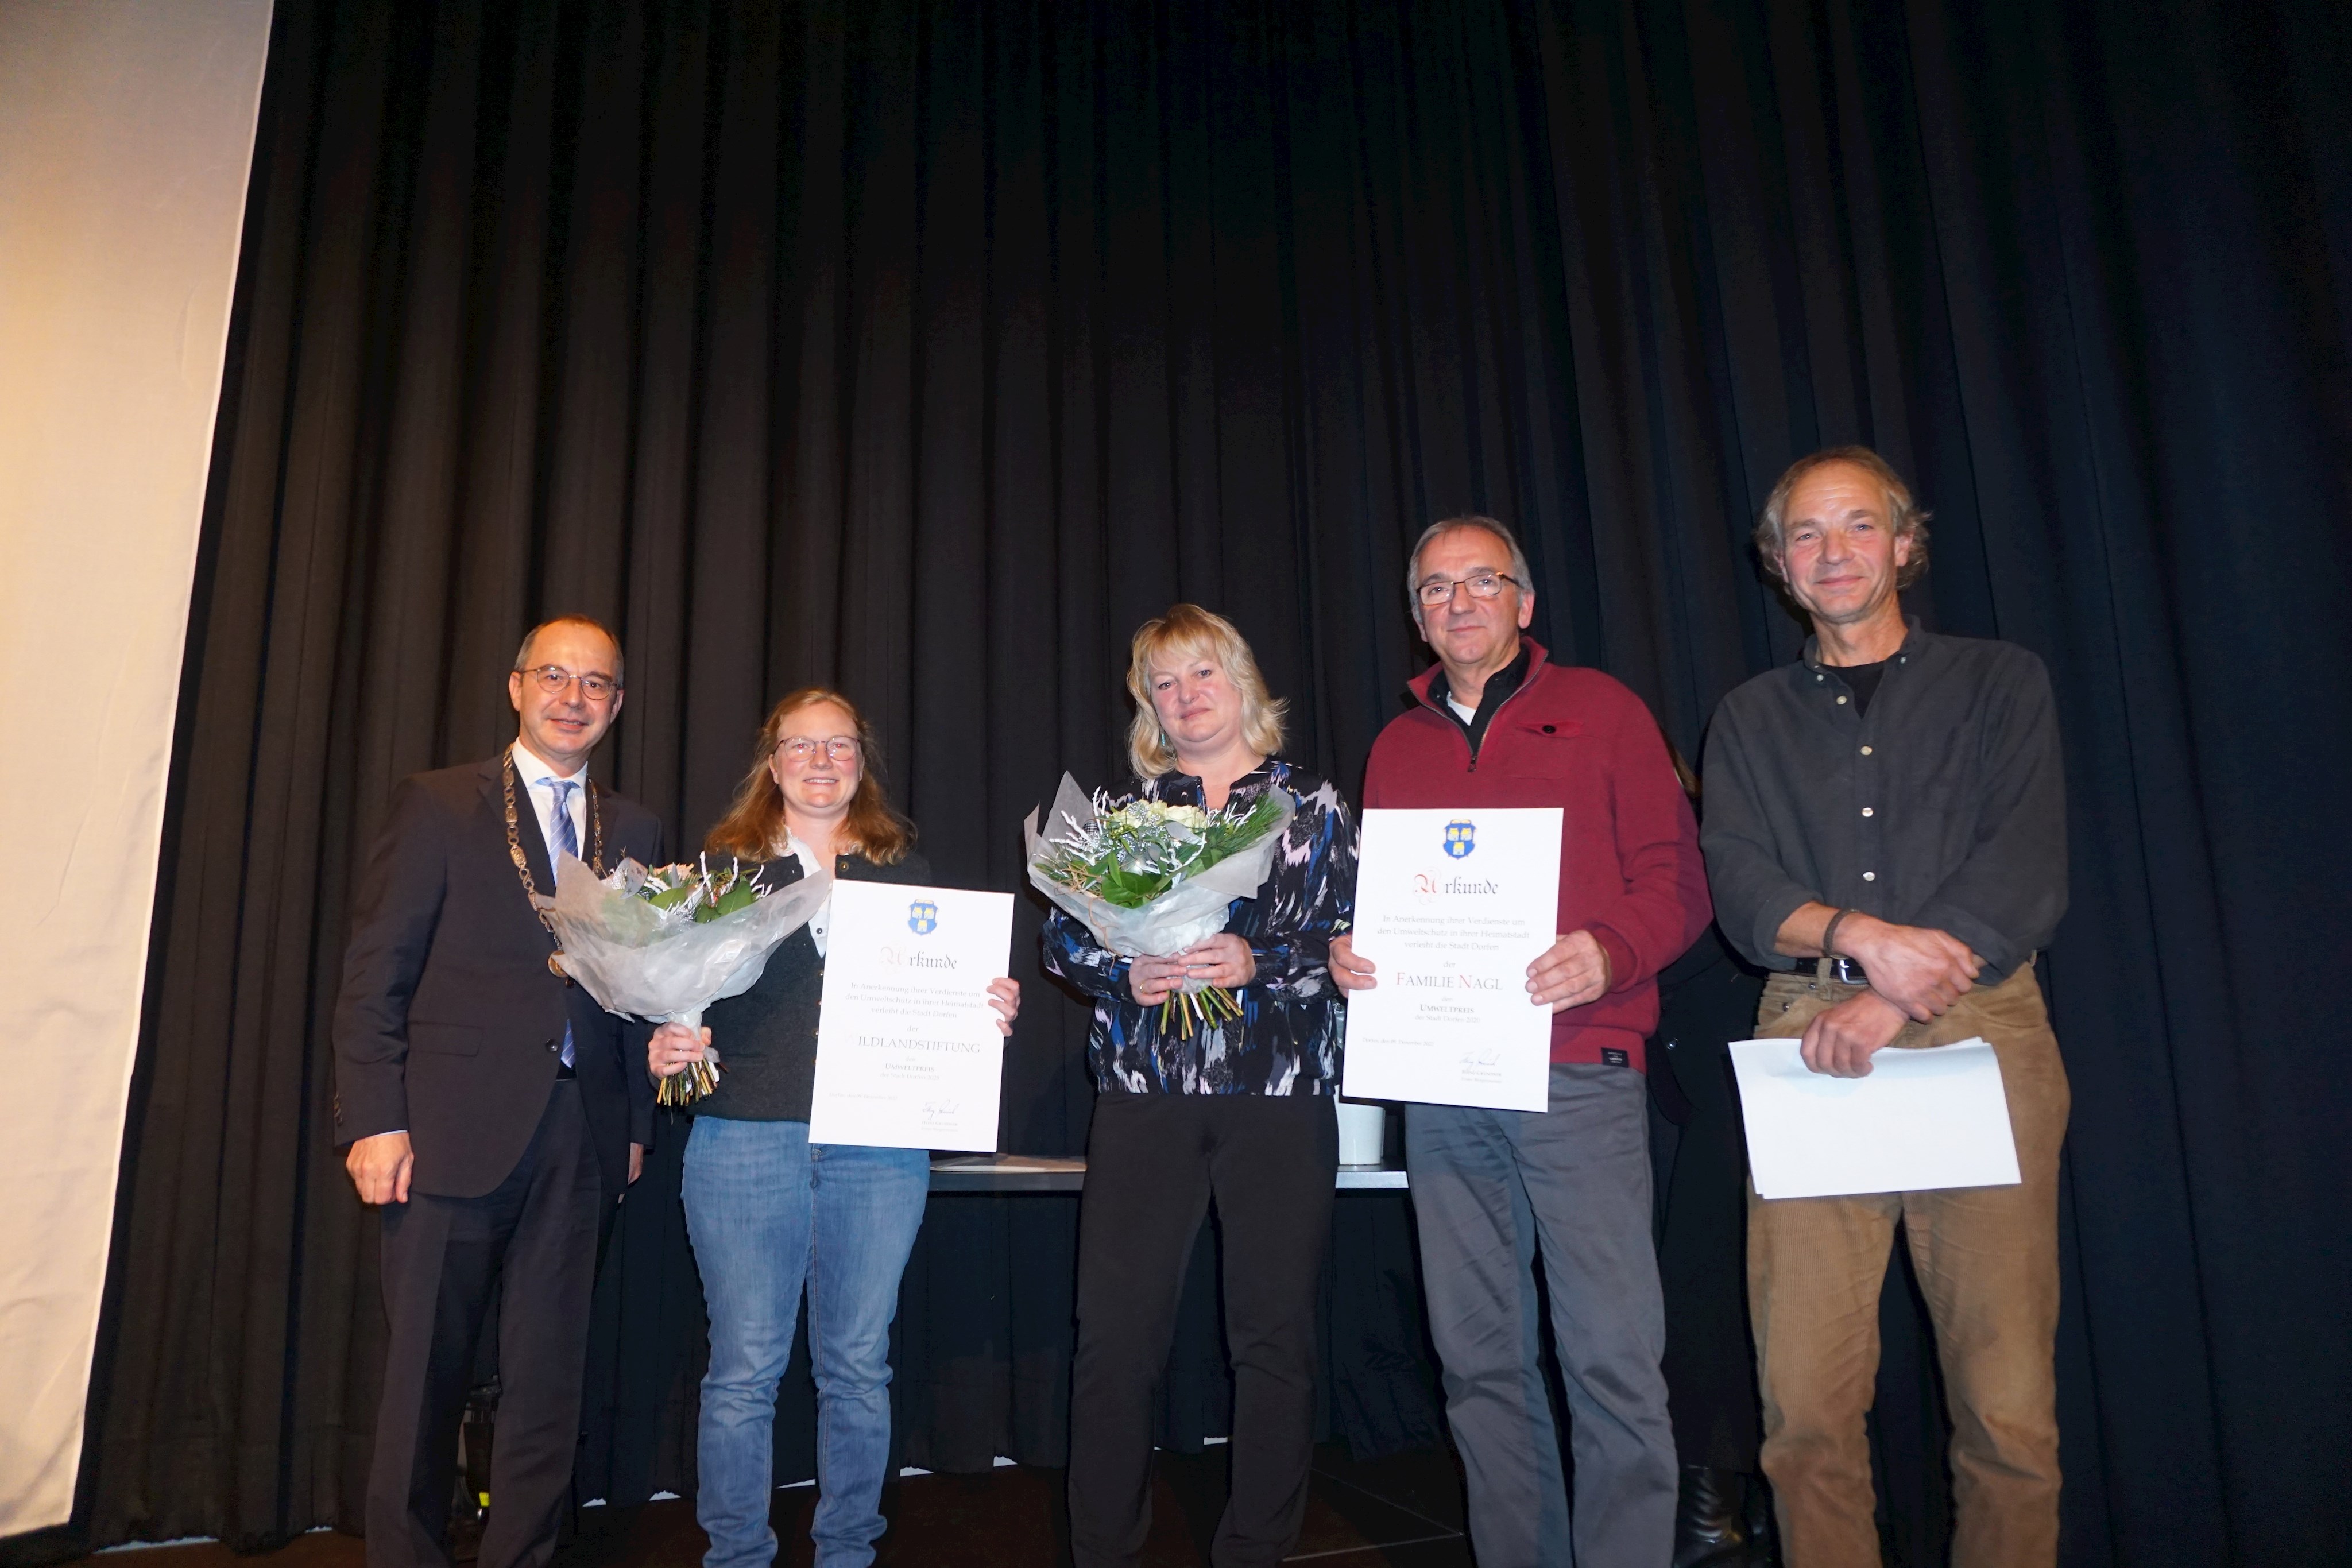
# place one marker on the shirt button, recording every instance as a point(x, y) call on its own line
point(1867, 811)
point(1870, 876)
point(1841, 702)
point(1866, 751)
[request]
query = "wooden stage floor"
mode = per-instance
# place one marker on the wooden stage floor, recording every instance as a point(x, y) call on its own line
point(1403, 1511)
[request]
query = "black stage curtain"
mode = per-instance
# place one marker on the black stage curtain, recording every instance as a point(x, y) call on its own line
point(928, 348)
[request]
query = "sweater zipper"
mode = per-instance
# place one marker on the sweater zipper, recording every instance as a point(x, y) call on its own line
point(1490, 722)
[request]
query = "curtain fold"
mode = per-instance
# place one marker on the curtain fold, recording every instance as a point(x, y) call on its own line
point(926, 349)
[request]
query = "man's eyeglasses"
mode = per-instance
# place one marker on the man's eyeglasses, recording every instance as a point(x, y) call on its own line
point(800, 749)
point(553, 678)
point(1481, 585)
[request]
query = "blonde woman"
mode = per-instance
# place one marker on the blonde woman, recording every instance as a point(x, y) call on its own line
point(768, 1211)
point(1239, 1112)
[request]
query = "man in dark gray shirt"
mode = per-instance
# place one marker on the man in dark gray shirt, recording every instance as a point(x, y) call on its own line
point(1885, 827)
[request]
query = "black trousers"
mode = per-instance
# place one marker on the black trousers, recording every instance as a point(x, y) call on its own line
point(1153, 1162)
point(532, 1242)
point(1700, 1164)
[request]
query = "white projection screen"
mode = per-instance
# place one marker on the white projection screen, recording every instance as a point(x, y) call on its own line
point(126, 137)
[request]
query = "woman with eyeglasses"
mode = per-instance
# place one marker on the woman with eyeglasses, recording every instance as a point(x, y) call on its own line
point(1238, 1111)
point(767, 1211)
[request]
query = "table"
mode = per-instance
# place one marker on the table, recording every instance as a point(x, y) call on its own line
point(1039, 1172)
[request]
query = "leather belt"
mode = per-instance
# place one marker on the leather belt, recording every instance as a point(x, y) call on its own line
point(1844, 970)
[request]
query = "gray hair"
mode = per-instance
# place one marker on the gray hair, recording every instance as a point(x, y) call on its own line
point(1521, 573)
point(523, 653)
point(1903, 515)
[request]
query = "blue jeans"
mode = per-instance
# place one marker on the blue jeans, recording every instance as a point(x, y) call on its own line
point(767, 1210)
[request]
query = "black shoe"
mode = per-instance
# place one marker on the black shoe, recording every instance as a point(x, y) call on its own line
point(1710, 1525)
point(1763, 1534)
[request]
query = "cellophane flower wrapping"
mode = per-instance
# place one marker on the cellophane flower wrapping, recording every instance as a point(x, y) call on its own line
point(645, 962)
point(1191, 911)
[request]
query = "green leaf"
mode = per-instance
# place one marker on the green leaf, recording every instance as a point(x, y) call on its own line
point(670, 897)
point(741, 894)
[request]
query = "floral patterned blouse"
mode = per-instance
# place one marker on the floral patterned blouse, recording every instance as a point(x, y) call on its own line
point(1287, 1039)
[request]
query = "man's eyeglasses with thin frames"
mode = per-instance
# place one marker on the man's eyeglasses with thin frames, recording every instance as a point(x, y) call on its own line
point(1481, 585)
point(553, 678)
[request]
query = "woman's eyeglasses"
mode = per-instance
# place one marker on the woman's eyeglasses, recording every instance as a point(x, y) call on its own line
point(801, 749)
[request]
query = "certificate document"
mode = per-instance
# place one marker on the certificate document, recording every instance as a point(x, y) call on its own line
point(1921, 1119)
point(908, 1052)
point(1451, 908)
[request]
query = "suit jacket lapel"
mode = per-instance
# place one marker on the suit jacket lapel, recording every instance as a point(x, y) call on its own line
point(529, 833)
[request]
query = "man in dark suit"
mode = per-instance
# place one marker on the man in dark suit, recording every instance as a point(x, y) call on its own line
point(492, 1108)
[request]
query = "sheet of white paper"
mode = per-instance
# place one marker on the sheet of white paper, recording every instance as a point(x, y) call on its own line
point(1922, 1119)
point(908, 1052)
point(1451, 908)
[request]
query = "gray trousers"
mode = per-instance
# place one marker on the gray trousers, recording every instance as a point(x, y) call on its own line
point(1491, 1188)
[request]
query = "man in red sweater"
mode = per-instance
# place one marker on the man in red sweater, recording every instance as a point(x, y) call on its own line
point(1495, 724)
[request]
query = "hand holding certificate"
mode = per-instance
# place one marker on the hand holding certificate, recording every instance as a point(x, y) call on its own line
point(908, 1051)
point(1452, 908)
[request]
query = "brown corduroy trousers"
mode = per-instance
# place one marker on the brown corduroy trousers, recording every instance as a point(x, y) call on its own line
point(1986, 1259)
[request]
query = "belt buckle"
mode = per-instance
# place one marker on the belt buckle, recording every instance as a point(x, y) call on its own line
point(1844, 970)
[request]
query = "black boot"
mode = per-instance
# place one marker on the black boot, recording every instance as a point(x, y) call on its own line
point(1710, 1525)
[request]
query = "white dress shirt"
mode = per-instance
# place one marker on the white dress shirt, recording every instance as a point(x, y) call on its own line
point(540, 778)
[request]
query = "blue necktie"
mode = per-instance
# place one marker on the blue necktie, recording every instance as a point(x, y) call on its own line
point(566, 841)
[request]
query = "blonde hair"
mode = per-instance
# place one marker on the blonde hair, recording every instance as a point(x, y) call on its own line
point(1187, 629)
point(754, 825)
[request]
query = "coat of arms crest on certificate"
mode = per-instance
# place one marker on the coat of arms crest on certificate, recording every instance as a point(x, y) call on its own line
point(1461, 838)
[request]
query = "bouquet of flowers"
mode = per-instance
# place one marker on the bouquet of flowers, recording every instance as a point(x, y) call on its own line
point(664, 944)
point(1150, 880)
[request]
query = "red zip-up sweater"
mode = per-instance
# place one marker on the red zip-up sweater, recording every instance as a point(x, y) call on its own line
point(1630, 871)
